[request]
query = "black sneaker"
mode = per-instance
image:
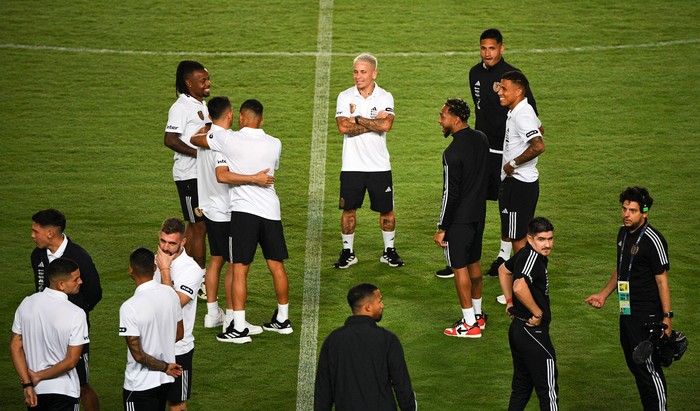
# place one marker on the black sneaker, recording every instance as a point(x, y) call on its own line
point(278, 327)
point(391, 257)
point(346, 259)
point(233, 336)
point(493, 271)
point(444, 273)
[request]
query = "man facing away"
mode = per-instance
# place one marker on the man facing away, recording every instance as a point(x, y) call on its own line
point(364, 115)
point(151, 322)
point(463, 212)
point(362, 365)
point(48, 228)
point(47, 340)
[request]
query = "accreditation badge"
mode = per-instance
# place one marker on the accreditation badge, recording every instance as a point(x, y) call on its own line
point(623, 297)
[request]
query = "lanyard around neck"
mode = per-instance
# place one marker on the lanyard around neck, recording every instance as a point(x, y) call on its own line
point(633, 253)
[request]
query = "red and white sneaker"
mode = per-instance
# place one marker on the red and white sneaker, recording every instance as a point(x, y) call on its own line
point(461, 329)
point(481, 320)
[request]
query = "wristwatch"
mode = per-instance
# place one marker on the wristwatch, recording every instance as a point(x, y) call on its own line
point(668, 314)
point(512, 163)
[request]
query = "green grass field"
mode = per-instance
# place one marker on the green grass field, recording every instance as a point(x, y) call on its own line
point(87, 87)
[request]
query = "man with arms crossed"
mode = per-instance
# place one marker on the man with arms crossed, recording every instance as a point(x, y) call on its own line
point(364, 114)
point(641, 281)
point(49, 329)
point(151, 321)
point(362, 365)
point(463, 212)
point(51, 243)
point(186, 116)
point(484, 78)
point(214, 203)
point(178, 270)
point(525, 283)
point(256, 217)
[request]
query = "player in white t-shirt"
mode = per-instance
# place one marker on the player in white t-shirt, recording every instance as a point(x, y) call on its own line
point(177, 269)
point(151, 321)
point(255, 215)
point(523, 144)
point(364, 114)
point(47, 339)
point(186, 116)
point(214, 203)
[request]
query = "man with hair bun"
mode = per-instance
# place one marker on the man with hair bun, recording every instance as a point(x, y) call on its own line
point(463, 213)
point(641, 281)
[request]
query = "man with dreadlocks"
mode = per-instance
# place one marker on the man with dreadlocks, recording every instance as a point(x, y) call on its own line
point(461, 223)
point(187, 115)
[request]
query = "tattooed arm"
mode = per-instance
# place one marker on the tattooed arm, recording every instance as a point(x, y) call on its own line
point(136, 350)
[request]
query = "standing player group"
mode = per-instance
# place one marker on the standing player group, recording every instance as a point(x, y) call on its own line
point(225, 181)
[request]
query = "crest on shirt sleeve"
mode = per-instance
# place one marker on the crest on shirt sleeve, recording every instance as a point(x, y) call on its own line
point(496, 86)
point(352, 108)
point(200, 114)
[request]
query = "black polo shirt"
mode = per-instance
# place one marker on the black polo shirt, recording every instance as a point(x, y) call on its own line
point(532, 266)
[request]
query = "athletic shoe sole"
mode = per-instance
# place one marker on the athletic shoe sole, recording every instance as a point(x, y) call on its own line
point(465, 335)
point(385, 261)
point(239, 340)
point(347, 265)
point(444, 273)
point(284, 331)
point(254, 329)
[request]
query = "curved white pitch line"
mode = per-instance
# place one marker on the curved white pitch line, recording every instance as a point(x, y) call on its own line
point(328, 53)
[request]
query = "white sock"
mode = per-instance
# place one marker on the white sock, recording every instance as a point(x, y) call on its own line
point(468, 315)
point(348, 240)
point(239, 320)
point(476, 304)
point(213, 308)
point(282, 312)
point(506, 248)
point(388, 239)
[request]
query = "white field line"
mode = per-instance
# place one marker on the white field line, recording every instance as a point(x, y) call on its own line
point(306, 375)
point(328, 53)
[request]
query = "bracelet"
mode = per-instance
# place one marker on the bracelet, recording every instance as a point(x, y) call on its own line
point(357, 119)
point(27, 384)
point(165, 370)
point(509, 300)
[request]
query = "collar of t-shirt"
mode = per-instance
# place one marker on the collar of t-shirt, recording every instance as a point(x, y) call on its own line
point(145, 286)
point(194, 100)
point(500, 63)
point(357, 92)
point(518, 107)
point(59, 252)
point(214, 127)
point(55, 294)
point(249, 130)
point(360, 319)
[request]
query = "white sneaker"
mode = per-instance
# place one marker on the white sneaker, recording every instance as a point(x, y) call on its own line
point(501, 299)
point(202, 292)
point(253, 329)
point(213, 321)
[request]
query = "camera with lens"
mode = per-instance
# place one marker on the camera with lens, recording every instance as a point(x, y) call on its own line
point(667, 348)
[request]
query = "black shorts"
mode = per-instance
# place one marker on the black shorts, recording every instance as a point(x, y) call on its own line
point(217, 234)
point(463, 244)
point(379, 185)
point(189, 201)
point(83, 365)
point(517, 202)
point(55, 402)
point(249, 230)
point(493, 175)
point(148, 400)
point(181, 389)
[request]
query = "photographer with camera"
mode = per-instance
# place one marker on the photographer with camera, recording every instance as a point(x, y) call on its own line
point(643, 293)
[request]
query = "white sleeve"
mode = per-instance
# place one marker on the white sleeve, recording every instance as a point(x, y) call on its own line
point(342, 107)
point(177, 119)
point(388, 105)
point(527, 124)
point(17, 324)
point(79, 330)
point(220, 160)
point(189, 283)
point(128, 325)
point(216, 140)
